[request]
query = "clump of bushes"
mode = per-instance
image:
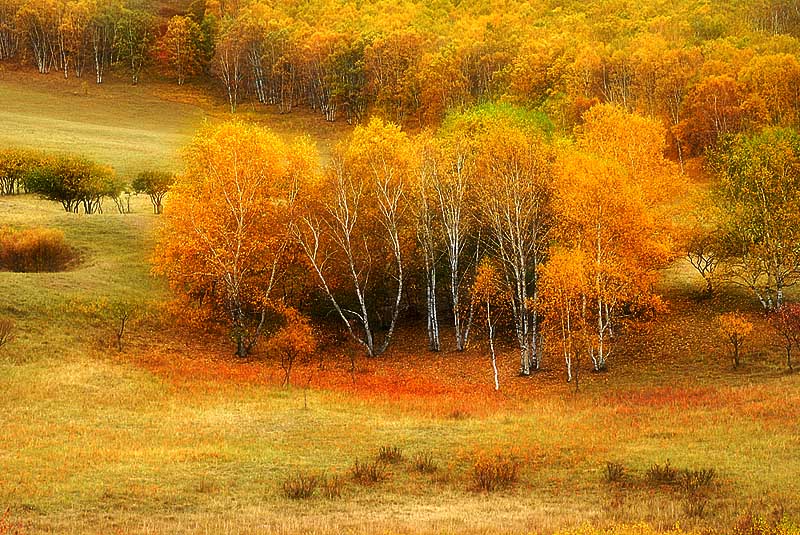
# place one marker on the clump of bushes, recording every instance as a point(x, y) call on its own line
point(369, 472)
point(390, 454)
point(35, 250)
point(15, 164)
point(495, 472)
point(75, 182)
point(301, 486)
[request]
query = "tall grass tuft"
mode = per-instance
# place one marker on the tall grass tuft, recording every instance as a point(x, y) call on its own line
point(6, 331)
point(368, 472)
point(491, 473)
point(390, 454)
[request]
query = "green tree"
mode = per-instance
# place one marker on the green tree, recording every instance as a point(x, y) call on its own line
point(757, 195)
point(156, 184)
point(74, 182)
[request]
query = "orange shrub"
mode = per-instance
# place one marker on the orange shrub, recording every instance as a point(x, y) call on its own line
point(34, 250)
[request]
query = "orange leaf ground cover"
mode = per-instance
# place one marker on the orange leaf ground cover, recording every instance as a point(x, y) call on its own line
point(676, 361)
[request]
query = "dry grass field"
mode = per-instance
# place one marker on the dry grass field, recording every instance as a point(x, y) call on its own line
point(172, 434)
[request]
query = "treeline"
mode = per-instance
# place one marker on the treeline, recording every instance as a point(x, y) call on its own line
point(702, 70)
point(75, 182)
point(490, 224)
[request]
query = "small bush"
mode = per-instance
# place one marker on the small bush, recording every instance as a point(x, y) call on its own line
point(6, 331)
point(424, 463)
point(331, 486)
point(34, 250)
point(694, 481)
point(300, 486)
point(390, 454)
point(496, 472)
point(695, 486)
point(665, 474)
point(614, 472)
point(368, 473)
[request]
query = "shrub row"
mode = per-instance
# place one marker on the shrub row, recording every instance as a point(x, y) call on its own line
point(489, 473)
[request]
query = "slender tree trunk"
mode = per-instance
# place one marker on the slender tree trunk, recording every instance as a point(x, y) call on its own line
point(491, 345)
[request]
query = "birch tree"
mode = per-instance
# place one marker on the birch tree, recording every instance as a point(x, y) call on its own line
point(355, 243)
point(136, 36)
point(758, 197)
point(428, 230)
point(516, 186)
point(229, 60)
point(615, 203)
point(103, 35)
point(180, 47)
point(228, 226)
point(9, 35)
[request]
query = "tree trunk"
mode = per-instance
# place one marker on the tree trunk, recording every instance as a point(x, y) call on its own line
point(491, 345)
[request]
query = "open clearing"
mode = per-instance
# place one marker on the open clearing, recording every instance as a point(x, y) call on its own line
point(128, 128)
point(173, 435)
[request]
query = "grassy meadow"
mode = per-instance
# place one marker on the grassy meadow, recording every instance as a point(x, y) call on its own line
point(174, 435)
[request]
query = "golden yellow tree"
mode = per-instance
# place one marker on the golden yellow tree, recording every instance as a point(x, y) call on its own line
point(516, 187)
point(355, 232)
point(616, 193)
point(227, 226)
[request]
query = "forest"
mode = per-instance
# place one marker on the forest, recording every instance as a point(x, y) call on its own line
point(339, 258)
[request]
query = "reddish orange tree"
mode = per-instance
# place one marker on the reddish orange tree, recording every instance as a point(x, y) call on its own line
point(227, 226)
point(294, 342)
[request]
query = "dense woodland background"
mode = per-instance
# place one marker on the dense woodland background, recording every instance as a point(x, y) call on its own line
point(702, 68)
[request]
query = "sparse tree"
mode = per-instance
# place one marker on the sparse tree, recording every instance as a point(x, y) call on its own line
point(294, 342)
point(786, 321)
point(488, 291)
point(156, 184)
point(735, 327)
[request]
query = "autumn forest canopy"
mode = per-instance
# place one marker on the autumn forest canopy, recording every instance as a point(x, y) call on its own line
point(703, 69)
